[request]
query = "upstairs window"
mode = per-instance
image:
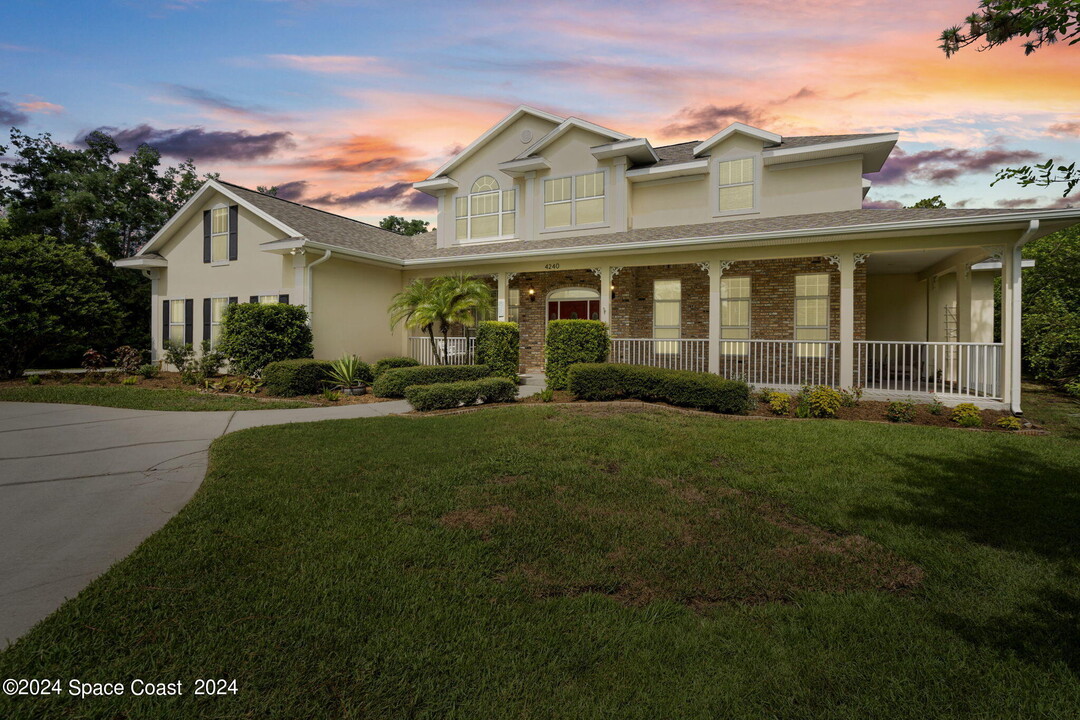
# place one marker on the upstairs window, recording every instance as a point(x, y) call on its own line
point(219, 234)
point(574, 201)
point(811, 314)
point(734, 314)
point(736, 185)
point(486, 212)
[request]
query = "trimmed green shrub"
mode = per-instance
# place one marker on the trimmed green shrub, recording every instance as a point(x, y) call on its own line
point(705, 391)
point(497, 347)
point(779, 403)
point(821, 401)
point(1009, 423)
point(287, 378)
point(967, 415)
point(441, 396)
point(570, 342)
point(900, 411)
point(392, 383)
point(253, 335)
point(393, 362)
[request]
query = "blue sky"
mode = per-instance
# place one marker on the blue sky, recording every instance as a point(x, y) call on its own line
point(345, 103)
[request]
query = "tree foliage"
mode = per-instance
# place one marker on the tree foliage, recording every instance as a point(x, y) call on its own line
point(253, 335)
point(401, 226)
point(51, 295)
point(443, 302)
point(1051, 307)
point(930, 203)
point(1042, 175)
point(997, 22)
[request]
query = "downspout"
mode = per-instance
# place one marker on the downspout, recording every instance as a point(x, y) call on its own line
point(1015, 265)
point(308, 279)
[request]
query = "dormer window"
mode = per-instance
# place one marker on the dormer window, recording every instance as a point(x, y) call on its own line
point(487, 212)
point(736, 178)
point(574, 201)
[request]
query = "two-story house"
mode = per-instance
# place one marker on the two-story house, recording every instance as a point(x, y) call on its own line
point(746, 254)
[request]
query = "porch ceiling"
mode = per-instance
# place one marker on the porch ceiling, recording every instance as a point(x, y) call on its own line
point(911, 261)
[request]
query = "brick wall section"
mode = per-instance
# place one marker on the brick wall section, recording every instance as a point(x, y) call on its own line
point(772, 301)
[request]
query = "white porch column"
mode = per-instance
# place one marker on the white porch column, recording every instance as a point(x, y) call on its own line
point(715, 268)
point(1010, 325)
point(847, 319)
point(299, 292)
point(502, 295)
point(155, 314)
point(605, 295)
point(963, 303)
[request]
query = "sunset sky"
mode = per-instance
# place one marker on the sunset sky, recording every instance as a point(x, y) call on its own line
point(344, 103)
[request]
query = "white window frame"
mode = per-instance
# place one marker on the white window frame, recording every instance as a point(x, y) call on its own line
point(213, 324)
point(182, 324)
point(756, 183)
point(606, 222)
point(500, 212)
point(275, 295)
point(728, 345)
point(811, 348)
point(513, 304)
point(667, 346)
point(228, 229)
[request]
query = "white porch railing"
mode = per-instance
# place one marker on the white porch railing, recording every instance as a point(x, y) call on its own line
point(945, 368)
point(780, 363)
point(677, 354)
point(461, 350)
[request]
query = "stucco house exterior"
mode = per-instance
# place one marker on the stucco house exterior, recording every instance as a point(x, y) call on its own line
point(746, 254)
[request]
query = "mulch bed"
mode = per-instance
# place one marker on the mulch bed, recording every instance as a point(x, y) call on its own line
point(171, 381)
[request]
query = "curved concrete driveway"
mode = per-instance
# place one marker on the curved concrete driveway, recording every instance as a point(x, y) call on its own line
point(81, 486)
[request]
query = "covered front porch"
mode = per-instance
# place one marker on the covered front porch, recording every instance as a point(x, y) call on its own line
point(897, 323)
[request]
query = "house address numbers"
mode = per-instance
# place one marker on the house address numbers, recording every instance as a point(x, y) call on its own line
point(551, 266)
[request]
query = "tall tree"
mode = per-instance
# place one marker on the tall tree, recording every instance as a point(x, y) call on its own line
point(931, 203)
point(401, 226)
point(1045, 22)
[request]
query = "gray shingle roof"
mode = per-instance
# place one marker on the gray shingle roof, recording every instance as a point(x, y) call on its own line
point(327, 228)
point(684, 151)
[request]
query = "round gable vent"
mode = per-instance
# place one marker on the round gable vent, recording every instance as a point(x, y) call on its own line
point(526, 136)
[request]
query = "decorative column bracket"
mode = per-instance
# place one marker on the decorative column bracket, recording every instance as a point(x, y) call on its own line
point(615, 269)
point(860, 258)
point(510, 276)
point(833, 259)
point(598, 272)
point(995, 252)
point(703, 266)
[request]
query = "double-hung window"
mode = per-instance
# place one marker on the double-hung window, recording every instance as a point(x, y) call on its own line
point(217, 314)
point(734, 315)
point(667, 314)
point(736, 179)
point(268, 299)
point(178, 321)
point(513, 308)
point(487, 212)
point(574, 201)
point(219, 234)
point(811, 314)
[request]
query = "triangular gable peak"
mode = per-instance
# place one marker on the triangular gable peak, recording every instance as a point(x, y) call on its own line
point(565, 127)
point(492, 132)
point(196, 201)
point(767, 138)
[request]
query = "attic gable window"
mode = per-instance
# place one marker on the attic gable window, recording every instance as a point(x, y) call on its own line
point(220, 235)
point(736, 179)
point(487, 212)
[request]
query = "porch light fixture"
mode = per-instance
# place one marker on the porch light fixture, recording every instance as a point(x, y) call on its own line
point(532, 295)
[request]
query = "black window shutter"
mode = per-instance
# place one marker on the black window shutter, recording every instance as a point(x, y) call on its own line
point(206, 303)
point(255, 298)
point(206, 236)
point(189, 318)
point(234, 215)
point(283, 299)
point(164, 323)
point(234, 300)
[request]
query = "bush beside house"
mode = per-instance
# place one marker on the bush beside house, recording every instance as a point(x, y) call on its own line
point(393, 362)
point(685, 388)
point(255, 335)
point(570, 342)
point(443, 396)
point(392, 383)
point(497, 346)
point(288, 378)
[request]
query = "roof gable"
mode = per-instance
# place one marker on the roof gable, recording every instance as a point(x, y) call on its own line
point(566, 126)
point(491, 132)
point(764, 136)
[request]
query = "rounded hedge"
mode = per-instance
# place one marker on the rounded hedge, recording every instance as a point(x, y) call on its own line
point(573, 341)
point(497, 347)
point(253, 335)
point(392, 383)
point(442, 396)
point(685, 388)
point(287, 378)
point(393, 362)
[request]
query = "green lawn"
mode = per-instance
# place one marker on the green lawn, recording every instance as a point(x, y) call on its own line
point(1051, 408)
point(136, 398)
point(546, 562)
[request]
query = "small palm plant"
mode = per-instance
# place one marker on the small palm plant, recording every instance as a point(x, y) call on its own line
point(345, 371)
point(413, 307)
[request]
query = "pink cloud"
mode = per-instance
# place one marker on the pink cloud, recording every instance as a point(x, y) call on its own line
point(335, 64)
point(41, 106)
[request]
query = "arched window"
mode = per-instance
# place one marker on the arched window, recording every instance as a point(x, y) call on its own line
point(486, 212)
point(574, 304)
